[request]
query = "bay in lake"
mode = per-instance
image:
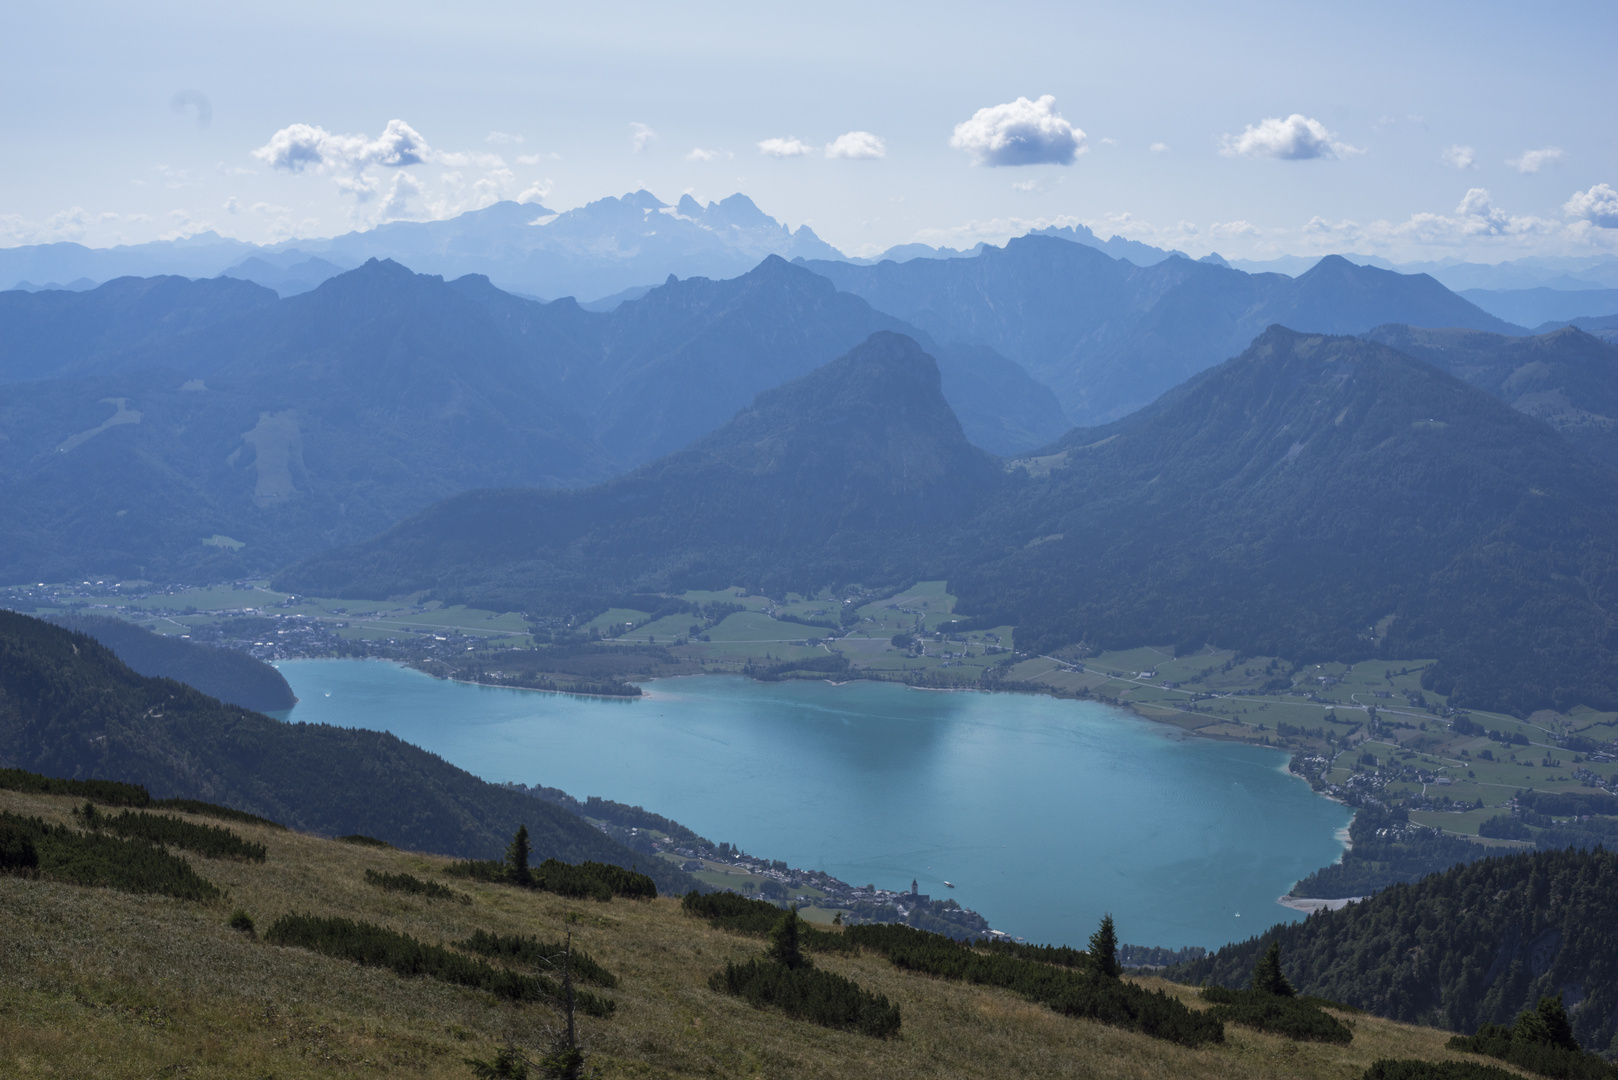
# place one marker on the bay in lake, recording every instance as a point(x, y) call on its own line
point(1044, 813)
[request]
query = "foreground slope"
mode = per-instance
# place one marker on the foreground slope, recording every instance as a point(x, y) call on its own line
point(1567, 378)
point(830, 478)
point(69, 707)
point(1320, 498)
point(1473, 945)
point(100, 983)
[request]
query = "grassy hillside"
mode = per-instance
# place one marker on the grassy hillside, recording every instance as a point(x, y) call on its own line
point(101, 983)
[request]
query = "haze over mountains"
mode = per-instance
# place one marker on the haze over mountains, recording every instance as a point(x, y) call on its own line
point(1317, 498)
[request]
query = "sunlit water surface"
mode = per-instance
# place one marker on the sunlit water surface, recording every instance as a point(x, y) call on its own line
point(1043, 813)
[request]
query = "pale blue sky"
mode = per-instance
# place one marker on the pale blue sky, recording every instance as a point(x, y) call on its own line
point(1390, 98)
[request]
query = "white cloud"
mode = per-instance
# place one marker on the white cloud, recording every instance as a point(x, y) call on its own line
point(345, 157)
point(699, 154)
point(1459, 157)
point(642, 136)
point(502, 138)
point(1021, 132)
point(535, 159)
point(1531, 161)
point(857, 144)
point(1297, 138)
point(791, 146)
point(231, 205)
point(1160, 148)
point(1599, 206)
point(1027, 185)
point(396, 206)
point(62, 225)
point(536, 192)
point(194, 99)
point(462, 159)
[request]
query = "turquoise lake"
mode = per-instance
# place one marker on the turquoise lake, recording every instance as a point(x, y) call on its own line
point(1044, 813)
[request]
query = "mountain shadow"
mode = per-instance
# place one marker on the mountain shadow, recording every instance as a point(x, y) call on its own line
point(837, 476)
point(70, 708)
point(1319, 498)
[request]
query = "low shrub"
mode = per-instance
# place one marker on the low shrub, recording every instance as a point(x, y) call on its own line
point(364, 841)
point(744, 915)
point(409, 883)
point(1389, 1069)
point(213, 810)
point(209, 841)
point(375, 946)
point(243, 922)
point(1080, 993)
point(515, 948)
point(807, 993)
point(1564, 1062)
point(105, 792)
point(130, 865)
point(1293, 1017)
point(586, 880)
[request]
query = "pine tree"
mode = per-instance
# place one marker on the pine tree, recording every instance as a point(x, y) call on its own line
point(784, 948)
point(1268, 977)
point(1546, 1024)
point(517, 858)
point(1104, 949)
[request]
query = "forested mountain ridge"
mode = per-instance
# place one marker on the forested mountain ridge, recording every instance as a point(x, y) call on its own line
point(834, 477)
point(1109, 336)
point(1319, 498)
point(1475, 944)
point(231, 676)
point(70, 708)
point(173, 441)
point(1567, 378)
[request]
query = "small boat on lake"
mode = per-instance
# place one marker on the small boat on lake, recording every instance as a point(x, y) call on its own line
point(949, 885)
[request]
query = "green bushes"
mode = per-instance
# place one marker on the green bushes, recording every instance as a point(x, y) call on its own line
point(1388, 1069)
point(519, 949)
point(364, 841)
point(96, 859)
point(807, 993)
point(409, 883)
point(586, 881)
point(743, 915)
point(1541, 1041)
point(209, 841)
point(213, 810)
point(375, 946)
point(1282, 1014)
point(1080, 993)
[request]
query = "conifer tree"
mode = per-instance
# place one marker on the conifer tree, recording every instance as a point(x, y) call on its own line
point(1268, 977)
point(1104, 949)
point(517, 858)
point(1546, 1024)
point(784, 948)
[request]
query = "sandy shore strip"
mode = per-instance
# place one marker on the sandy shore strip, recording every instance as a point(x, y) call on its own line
point(1301, 903)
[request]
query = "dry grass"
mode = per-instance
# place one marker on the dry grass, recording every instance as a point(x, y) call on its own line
point(99, 983)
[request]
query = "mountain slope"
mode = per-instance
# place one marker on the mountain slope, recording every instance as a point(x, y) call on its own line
point(1109, 336)
point(1317, 498)
point(1567, 378)
point(69, 707)
point(828, 479)
point(1476, 944)
point(233, 677)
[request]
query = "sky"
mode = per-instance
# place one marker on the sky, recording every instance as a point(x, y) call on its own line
point(1415, 131)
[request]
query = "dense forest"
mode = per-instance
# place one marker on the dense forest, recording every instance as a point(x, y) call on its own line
point(69, 707)
point(1386, 849)
point(231, 676)
point(1476, 944)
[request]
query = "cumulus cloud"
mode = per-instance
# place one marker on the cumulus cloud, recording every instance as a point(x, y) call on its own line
point(1599, 206)
point(699, 154)
point(1021, 132)
point(1160, 148)
point(195, 100)
point(1459, 157)
point(397, 205)
point(791, 146)
point(641, 136)
point(536, 192)
point(856, 144)
point(344, 157)
point(502, 138)
point(1297, 138)
point(1531, 161)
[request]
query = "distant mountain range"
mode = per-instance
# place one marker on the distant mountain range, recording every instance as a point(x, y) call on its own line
point(174, 429)
point(1315, 498)
point(1109, 336)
